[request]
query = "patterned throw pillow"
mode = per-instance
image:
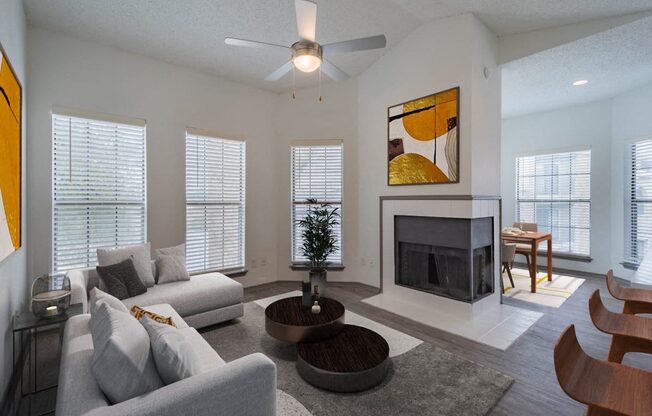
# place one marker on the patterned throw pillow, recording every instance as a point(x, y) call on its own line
point(139, 312)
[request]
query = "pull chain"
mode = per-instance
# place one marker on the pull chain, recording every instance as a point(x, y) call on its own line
point(320, 100)
point(293, 84)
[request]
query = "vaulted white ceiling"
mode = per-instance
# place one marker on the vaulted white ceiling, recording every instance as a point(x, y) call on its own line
point(613, 61)
point(192, 32)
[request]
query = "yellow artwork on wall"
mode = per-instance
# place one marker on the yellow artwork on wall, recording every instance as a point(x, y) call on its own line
point(422, 140)
point(10, 158)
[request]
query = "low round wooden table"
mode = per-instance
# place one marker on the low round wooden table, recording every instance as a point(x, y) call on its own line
point(288, 320)
point(355, 359)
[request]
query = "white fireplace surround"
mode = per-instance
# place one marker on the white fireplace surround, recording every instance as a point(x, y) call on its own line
point(486, 320)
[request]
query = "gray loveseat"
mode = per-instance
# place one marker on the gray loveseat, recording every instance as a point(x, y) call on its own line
point(206, 299)
point(243, 387)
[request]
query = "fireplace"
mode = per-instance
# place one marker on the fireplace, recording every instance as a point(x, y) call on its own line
point(449, 257)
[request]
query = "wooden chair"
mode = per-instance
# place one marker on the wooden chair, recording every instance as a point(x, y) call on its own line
point(606, 388)
point(637, 300)
point(526, 249)
point(508, 253)
point(630, 333)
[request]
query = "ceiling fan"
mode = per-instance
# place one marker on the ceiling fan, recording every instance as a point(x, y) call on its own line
point(307, 55)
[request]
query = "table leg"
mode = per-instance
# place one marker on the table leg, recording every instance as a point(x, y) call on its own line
point(550, 259)
point(533, 273)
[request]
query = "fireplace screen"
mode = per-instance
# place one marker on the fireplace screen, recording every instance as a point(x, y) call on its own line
point(449, 257)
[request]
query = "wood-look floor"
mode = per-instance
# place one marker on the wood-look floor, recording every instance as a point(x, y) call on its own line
point(529, 360)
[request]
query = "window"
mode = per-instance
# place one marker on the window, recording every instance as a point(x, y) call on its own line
point(98, 188)
point(554, 191)
point(215, 203)
point(316, 174)
point(638, 215)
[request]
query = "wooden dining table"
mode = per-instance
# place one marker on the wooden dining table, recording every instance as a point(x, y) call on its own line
point(533, 239)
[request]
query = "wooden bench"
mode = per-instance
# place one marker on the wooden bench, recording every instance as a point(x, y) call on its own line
point(606, 388)
point(636, 300)
point(630, 333)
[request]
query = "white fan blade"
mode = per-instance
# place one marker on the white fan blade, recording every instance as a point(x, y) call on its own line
point(306, 19)
point(372, 42)
point(251, 43)
point(332, 71)
point(279, 73)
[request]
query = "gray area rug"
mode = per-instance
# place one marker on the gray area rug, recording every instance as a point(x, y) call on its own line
point(426, 380)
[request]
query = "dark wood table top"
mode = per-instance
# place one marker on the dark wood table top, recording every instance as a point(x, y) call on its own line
point(353, 349)
point(290, 311)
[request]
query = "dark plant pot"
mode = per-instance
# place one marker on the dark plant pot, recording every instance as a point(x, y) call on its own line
point(318, 278)
point(306, 294)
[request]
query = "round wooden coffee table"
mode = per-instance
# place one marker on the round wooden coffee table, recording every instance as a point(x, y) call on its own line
point(355, 359)
point(288, 320)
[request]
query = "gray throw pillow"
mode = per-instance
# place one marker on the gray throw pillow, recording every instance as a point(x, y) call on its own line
point(174, 355)
point(122, 362)
point(97, 295)
point(140, 255)
point(119, 275)
point(179, 250)
point(171, 269)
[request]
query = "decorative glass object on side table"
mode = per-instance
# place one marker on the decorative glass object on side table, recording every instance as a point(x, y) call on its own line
point(51, 309)
point(50, 295)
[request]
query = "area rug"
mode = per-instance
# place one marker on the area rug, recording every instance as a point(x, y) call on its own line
point(423, 380)
point(552, 294)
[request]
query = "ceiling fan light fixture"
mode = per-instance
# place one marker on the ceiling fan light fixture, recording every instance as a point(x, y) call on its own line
point(306, 57)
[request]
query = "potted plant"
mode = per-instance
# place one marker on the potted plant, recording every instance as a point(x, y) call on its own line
point(319, 239)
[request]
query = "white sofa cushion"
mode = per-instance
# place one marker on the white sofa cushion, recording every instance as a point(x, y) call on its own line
point(208, 357)
point(139, 254)
point(174, 355)
point(122, 363)
point(97, 295)
point(201, 293)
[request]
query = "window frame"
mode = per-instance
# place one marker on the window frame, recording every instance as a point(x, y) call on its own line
point(629, 260)
point(191, 131)
point(57, 111)
point(301, 265)
point(570, 255)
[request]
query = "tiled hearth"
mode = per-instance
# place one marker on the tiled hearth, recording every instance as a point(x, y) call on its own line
point(478, 315)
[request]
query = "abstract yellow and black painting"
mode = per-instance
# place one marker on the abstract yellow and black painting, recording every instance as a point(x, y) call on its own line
point(10, 155)
point(422, 142)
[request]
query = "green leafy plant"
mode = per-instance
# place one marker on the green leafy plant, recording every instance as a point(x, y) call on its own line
point(319, 239)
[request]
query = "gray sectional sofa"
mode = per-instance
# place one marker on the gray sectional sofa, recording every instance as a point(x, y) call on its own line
point(243, 387)
point(206, 299)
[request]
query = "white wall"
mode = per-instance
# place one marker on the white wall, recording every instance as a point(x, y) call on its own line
point(631, 120)
point(587, 125)
point(13, 275)
point(430, 59)
point(305, 118)
point(68, 72)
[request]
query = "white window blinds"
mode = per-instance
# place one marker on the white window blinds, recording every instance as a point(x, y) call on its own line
point(98, 189)
point(639, 201)
point(554, 191)
point(215, 203)
point(316, 174)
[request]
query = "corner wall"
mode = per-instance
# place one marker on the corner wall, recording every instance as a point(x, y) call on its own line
point(68, 72)
point(428, 60)
point(585, 126)
point(13, 274)
point(305, 118)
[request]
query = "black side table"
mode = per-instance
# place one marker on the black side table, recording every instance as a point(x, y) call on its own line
point(26, 327)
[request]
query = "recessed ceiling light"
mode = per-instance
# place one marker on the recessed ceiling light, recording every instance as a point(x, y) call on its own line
point(580, 82)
